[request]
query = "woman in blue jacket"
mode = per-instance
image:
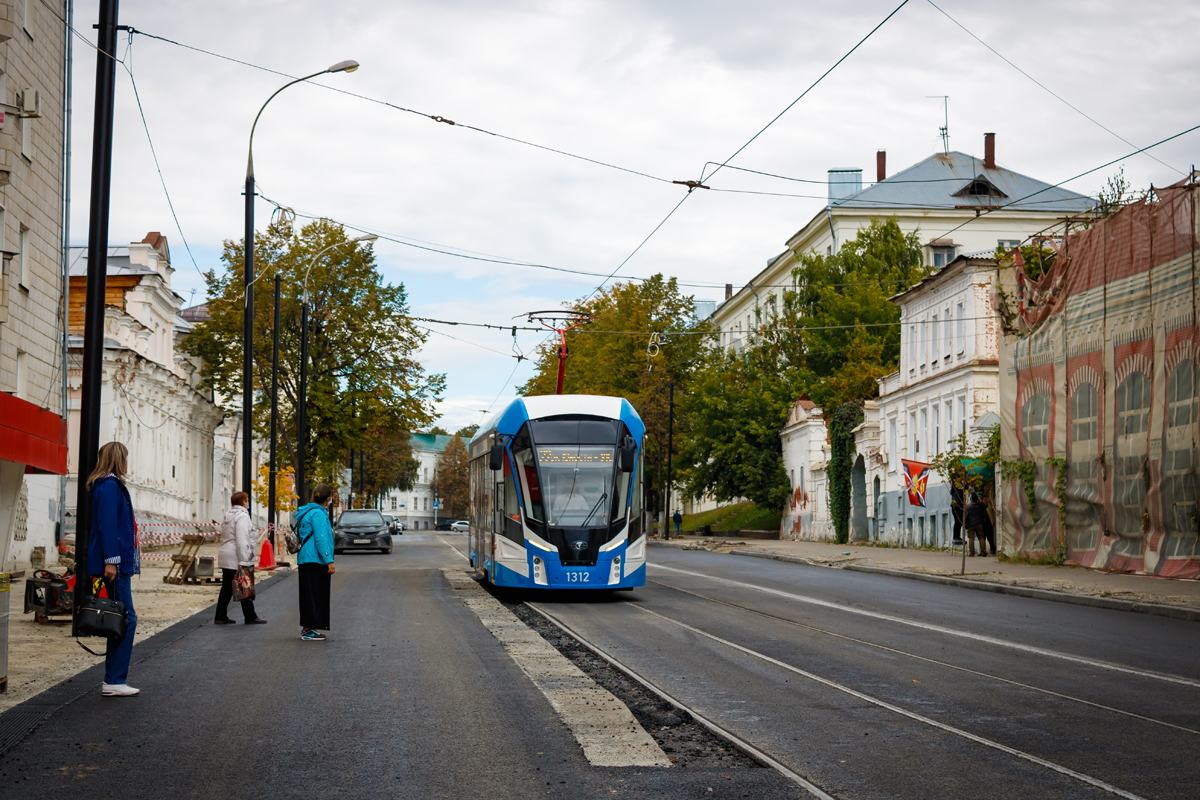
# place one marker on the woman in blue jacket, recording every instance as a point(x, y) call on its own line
point(315, 562)
point(113, 552)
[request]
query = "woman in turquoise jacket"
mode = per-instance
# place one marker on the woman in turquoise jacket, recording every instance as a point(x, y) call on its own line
point(315, 562)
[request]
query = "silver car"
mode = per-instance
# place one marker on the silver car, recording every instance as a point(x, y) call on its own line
point(460, 526)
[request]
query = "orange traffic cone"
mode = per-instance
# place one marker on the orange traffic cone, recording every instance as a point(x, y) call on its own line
point(266, 559)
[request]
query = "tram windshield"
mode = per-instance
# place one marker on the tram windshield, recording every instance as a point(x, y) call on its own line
point(577, 485)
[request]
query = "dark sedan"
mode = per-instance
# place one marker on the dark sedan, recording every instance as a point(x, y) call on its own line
point(361, 529)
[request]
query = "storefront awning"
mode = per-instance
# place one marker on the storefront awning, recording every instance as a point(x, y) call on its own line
point(32, 436)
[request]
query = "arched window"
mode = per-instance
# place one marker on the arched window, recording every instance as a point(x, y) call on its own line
point(1035, 421)
point(1083, 510)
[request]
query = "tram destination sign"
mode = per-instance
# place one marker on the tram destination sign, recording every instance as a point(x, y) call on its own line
point(575, 455)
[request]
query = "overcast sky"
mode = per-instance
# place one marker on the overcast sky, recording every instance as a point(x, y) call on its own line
point(656, 87)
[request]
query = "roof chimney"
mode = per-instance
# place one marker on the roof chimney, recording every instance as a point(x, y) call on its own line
point(881, 166)
point(989, 151)
point(729, 291)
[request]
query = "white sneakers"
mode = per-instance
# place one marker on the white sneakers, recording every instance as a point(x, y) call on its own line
point(118, 690)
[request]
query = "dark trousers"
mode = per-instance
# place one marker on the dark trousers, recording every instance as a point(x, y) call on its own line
point(314, 596)
point(227, 594)
point(118, 653)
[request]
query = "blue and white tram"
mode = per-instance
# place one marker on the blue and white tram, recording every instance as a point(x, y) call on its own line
point(556, 494)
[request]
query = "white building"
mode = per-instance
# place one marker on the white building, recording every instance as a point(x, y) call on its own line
point(947, 384)
point(181, 444)
point(33, 443)
point(805, 457)
point(932, 198)
point(415, 508)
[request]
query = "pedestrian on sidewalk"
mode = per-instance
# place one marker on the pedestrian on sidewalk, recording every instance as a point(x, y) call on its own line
point(677, 518)
point(113, 552)
point(236, 552)
point(979, 524)
point(957, 511)
point(315, 563)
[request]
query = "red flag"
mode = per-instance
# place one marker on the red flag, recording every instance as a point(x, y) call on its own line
point(916, 476)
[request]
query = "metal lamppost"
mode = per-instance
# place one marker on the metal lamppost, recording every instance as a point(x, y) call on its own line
point(302, 410)
point(274, 417)
point(93, 324)
point(248, 270)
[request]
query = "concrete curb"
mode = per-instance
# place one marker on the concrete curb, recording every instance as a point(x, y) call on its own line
point(1153, 609)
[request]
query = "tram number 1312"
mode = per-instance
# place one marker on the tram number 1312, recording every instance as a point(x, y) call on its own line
point(578, 577)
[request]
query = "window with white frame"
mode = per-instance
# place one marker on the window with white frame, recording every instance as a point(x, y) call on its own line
point(933, 340)
point(925, 428)
point(921, 332)
point(962, 415)
point(936, 430)
point(949, 423)
point(912, 347)
point(24, 261)
point(914, 436)
point(1008, 244)
point(395, 503)
point(22, 375)
point(941, 256)
point(27, 137)
point(948, 334)
point(960, 330)
point(893, 456)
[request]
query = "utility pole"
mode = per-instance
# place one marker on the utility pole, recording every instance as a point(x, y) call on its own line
point(93, 324)
point(274, 417)
point(248, 336)
point(670, 447)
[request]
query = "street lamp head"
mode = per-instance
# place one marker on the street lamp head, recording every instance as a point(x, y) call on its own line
point(370, 237)
point(344, 66)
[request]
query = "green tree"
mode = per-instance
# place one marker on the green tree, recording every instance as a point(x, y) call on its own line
point(467, 432)
point(833, 337)
point(386, 463)
point(845, 419)
point(450, 483)
point(642, 339)
point(363, 373)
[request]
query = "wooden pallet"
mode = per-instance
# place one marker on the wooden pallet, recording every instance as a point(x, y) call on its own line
point(194, 581)
point(182, 561)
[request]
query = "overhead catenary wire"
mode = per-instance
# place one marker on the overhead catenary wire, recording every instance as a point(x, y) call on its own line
point(125, 63)
point(435, 117)
point(1073, 178)
point(705, 177)
point(1046, 88)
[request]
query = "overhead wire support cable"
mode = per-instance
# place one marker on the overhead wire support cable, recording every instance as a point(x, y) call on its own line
point(776, 118)
point(433, 117)
point(1072, 178)
point(1046, 88)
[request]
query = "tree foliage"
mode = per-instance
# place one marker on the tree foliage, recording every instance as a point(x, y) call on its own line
point(833, 336)
point(363, 374)
point(450, 484)
point(642, 339)
point(383, 462)
point(845, 419)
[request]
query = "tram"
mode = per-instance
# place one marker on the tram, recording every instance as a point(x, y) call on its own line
point(556, 494)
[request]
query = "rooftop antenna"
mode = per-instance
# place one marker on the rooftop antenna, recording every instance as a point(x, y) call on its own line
point(943, 131)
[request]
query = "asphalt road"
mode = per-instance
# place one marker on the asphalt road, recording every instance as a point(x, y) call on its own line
point(879, 687)
point(411, 697)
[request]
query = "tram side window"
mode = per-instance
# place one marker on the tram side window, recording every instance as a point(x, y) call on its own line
point(528, 469)
point(635, 508)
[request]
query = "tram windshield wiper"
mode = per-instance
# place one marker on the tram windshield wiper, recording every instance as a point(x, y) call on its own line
point(595, 508)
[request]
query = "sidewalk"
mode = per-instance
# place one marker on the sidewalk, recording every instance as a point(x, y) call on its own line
point(1144, 593)
point(41, 655)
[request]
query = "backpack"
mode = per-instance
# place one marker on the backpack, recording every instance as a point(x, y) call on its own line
point(291, 538)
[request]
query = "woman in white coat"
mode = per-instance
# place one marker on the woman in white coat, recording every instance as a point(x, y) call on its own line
point(237, 550)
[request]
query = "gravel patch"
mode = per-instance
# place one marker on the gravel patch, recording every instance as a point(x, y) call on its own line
point(686, 742)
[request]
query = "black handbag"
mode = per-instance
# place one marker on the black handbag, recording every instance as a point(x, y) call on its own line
point(103, 617)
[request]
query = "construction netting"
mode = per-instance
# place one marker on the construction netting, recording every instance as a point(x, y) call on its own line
point(1100, 394)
